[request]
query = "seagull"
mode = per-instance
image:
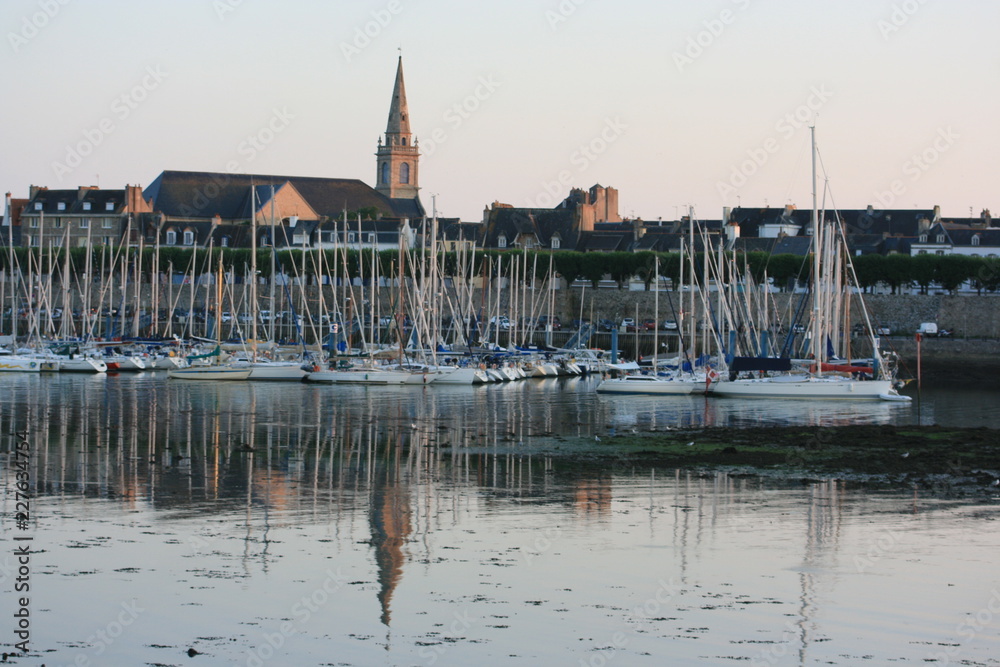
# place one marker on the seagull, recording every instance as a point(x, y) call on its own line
point(597, 438)
point(996, 482)
point(691, 443)
point(905, 454)
point(413, 426)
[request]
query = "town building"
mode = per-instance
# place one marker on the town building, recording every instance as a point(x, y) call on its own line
point(82, 217)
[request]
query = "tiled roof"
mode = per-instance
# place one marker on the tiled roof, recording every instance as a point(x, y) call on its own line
point(188, 194)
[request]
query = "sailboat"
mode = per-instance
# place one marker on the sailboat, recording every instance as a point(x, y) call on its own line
point(773, 378)
point(213, 370)
point(675, 383)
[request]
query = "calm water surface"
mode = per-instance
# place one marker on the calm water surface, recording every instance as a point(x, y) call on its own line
point(315, 525)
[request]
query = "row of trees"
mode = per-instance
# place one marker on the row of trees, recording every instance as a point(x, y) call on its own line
point(783, 271)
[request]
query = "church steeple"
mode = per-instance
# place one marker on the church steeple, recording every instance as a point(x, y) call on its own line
point(397, 159)
point(399, 114)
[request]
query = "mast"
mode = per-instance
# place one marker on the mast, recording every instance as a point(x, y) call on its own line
point(817, 346)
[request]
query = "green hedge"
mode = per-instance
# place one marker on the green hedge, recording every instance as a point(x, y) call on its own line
point(896, 271)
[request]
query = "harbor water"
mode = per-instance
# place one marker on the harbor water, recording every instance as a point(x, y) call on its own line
point(237, 523)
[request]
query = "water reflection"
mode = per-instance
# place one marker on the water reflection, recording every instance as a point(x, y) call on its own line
point(228, 503)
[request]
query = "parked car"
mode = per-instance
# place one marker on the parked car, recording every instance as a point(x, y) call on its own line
point(928, 328)
point(882, 331)
point(543, 323)
point(500, 322)
point(669, 325)
point(649, 325)
point(264, 315)
point(628, 324)
point(606, 325)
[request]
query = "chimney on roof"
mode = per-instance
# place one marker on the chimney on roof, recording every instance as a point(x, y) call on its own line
point(985, 215)
point(35, 189)
point(6, 214)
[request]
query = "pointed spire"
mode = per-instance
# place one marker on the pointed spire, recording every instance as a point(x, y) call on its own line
point(399, 114)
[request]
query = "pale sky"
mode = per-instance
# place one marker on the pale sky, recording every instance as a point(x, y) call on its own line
point(671, 102)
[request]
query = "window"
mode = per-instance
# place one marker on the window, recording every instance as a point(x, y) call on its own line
point(86, 206)
point(106, 223)
point(84, 223)
point(555, 243)
point(38, 206)
point(940, 238)
point(385, 172)
point(34, 223)
point(975, 240)
point(110, 206)
point(350, 237)
point(57, 223)
point(404, 141)
point(922, 252)
point(32, 240)
point(404, 173)
point(188, 237)
point(371, 239)
point(225, 241)
point(939, 252)
point(57, 241)
point(61, 206)
point(502, 242)
point(106, 240)
point(923, 238)
point(81, 243)
point(299, 239)
point(171, 237)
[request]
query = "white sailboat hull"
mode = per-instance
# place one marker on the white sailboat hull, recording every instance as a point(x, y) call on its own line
point(209, 373)
point(369, 376)
point(82, 365)
point(461, 376)
point(17, 364)
point(836, 388)
point(277, 371)
point(647, 384)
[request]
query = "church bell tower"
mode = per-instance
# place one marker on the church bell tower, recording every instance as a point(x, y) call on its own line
point(398, 157)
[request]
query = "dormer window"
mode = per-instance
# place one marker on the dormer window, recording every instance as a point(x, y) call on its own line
point(110, 206)
point(61, 206)
point(86, 206)
point(555, 243)
point(351, 238)
point(171, 238)
point(502, 242)
point(225, 241)
point(371, 239)
point(38, 206)
point(975, 240)
point(923, 238)
point(940, 238)
point(188, 237)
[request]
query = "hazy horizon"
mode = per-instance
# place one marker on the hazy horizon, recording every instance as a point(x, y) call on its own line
point(674, 104)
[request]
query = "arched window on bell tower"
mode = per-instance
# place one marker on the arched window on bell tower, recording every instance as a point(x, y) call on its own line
point(404, 173)
point(385, 173)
